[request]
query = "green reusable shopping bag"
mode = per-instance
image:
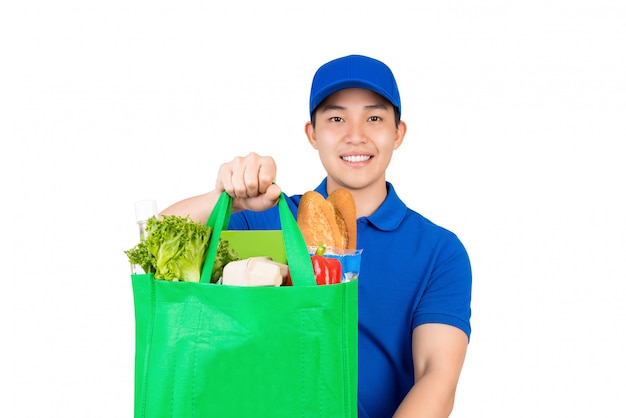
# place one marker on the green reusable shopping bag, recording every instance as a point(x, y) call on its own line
point(210, 350)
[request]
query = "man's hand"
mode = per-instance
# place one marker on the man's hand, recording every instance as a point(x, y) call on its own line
point(249, 181)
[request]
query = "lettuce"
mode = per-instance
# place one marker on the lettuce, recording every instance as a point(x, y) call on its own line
point(175, 250)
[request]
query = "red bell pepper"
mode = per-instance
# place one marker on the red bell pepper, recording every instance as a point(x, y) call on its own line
point(327, 270)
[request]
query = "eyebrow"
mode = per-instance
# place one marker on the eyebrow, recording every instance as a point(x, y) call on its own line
point(367, 107)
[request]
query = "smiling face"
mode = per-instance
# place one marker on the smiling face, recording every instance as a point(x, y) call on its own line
point(355, 134)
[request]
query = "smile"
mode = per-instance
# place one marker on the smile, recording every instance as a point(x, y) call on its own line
point(356, 158)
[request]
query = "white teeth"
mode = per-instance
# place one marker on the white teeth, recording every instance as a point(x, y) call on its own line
point(356, 158)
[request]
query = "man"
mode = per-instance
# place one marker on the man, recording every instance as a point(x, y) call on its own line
point(415, 280)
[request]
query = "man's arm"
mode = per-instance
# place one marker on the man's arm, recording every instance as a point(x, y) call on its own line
point(248, 180)
point(438, 356)
point(198, 208)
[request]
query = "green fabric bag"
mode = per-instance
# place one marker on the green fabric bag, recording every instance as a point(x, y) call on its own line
point(210, 350)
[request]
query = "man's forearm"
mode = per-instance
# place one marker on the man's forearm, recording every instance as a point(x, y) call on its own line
point(431, 397)
point(198, 207)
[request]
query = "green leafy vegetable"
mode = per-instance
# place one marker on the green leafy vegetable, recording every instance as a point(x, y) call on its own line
point(175, 250)
point(224, 255)
point(140, 255)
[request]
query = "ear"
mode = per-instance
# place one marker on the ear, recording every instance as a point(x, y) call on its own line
point(309, 130)
point(400, 132)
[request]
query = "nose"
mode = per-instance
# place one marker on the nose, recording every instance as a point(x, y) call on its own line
point(356, 133)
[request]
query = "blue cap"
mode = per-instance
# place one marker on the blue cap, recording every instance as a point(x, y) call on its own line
point(353, 71)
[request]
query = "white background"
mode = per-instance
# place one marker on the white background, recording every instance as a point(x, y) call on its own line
point(517, 120)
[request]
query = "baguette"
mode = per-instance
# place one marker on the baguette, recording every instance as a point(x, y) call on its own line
point(331, 221)
point(345, 215)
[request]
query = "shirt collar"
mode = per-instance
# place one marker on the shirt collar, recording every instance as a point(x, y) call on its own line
point(388, 216)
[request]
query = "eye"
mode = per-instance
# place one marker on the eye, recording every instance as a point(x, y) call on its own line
point(374, 118)
point(336, 119)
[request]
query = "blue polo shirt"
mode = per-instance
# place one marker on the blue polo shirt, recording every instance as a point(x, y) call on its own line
point(413, 272)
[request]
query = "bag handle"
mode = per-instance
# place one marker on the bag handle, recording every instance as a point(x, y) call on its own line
point(298, 258)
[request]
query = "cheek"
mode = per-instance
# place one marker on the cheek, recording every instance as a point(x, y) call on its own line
point(322, 141)
point(386, 144)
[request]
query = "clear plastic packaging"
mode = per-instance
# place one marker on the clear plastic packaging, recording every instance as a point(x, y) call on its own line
point(144, 210)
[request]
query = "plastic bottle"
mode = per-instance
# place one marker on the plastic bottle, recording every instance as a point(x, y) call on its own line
point(144, 210)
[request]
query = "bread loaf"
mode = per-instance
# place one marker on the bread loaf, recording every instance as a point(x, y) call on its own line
point(331, 221)
point(345, 215)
